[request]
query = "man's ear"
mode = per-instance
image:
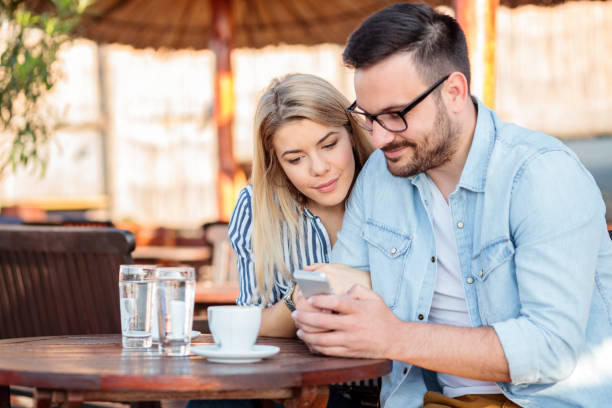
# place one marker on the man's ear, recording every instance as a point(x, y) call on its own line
point(456, 92)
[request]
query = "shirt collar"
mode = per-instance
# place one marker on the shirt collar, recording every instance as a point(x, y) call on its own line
point(308, 214)
point(474, 174)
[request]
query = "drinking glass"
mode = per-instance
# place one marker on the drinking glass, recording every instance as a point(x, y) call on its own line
point(174, 296)
point(135, 297)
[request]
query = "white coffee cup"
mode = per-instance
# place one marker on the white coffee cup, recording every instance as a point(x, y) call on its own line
point(234, 328)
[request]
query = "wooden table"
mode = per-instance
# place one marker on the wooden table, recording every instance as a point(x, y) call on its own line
point(68, 370)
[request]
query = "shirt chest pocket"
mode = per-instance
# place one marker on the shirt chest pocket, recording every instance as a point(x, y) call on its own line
point(387, 250)
point(494, 272)
point(493, 257)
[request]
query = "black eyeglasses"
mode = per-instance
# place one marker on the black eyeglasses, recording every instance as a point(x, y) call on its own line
point(392, 121)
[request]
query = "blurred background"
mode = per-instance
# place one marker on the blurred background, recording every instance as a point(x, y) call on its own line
point(136, 143)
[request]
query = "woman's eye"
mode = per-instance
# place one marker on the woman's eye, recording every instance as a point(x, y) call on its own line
point(330, 145)
point(295, 160)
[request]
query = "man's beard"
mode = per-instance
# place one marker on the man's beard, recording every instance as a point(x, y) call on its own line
point(436, 149)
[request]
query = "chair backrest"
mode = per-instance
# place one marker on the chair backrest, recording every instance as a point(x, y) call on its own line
point(224, 267)
point(61, 280)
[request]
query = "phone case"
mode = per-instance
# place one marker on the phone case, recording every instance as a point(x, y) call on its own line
point(312, 283)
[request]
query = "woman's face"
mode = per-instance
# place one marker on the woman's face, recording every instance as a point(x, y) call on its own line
point(317, 159)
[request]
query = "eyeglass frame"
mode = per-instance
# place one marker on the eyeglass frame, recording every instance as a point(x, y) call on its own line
point(401, 113)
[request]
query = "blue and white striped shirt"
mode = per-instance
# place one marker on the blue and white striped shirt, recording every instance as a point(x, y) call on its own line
point(314, 247)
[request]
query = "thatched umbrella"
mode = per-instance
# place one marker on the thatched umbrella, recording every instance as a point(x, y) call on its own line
point(222, 25)
point(196, 24)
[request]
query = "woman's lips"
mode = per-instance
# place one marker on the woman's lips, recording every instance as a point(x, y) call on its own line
point(327, 187)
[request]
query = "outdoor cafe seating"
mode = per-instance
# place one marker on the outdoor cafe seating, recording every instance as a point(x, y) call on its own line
point(59, 300)
point(61, 283)
point(60, 280)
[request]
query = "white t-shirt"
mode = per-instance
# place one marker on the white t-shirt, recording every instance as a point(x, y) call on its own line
point(448, 305)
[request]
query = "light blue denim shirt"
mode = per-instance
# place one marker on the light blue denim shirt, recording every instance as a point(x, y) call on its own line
point(535, 255)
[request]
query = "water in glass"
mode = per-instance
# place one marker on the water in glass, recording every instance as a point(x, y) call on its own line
point(135, 296)
point(175, 291)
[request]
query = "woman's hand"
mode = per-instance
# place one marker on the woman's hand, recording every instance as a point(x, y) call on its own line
point(341, 277)
point(302, 303)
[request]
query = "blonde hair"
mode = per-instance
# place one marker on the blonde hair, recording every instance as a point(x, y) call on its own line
point(277, 204)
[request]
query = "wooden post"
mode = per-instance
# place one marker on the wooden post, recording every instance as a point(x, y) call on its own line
point(42, 398)
point(105, 134)
point(309, 397)
point(477, 18)
point(221, 45)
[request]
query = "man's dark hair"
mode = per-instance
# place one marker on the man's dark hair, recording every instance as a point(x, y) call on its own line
point(435, 41)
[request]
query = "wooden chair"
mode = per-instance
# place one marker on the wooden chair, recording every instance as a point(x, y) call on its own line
point(61, 280)
point(224, 267)
point(71, 223)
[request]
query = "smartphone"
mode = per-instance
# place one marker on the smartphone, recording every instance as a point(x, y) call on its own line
point(312, 283)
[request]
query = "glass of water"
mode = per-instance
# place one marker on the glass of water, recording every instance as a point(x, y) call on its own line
point(135, 297)
point(174, 297)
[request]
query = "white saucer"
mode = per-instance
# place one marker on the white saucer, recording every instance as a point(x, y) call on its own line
point(194, 334)
point(216, 355)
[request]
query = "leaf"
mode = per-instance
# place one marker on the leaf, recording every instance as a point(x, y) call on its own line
point(28, 53)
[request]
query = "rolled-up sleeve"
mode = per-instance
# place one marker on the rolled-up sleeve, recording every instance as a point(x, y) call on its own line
point(556, 214)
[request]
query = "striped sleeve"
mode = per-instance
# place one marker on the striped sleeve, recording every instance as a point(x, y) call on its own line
point(240, 235)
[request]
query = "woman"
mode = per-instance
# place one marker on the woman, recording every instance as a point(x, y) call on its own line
point(307, 153)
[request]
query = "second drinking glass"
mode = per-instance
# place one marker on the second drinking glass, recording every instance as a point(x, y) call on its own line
point(174, 298)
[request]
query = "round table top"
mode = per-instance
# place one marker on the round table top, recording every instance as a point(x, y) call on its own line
point(98, 362)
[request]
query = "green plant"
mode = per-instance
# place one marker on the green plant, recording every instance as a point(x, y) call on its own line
point(29, 44)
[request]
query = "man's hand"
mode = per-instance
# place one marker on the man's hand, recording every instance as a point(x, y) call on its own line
point(361, 326)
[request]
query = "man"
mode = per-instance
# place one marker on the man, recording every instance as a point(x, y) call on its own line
point(486, 243)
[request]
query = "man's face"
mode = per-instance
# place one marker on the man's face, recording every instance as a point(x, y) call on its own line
point(431, 137)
